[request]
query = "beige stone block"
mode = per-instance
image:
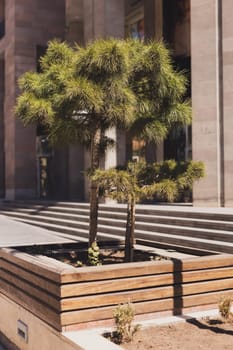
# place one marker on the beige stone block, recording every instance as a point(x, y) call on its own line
point(40, 335)
point(205, 95)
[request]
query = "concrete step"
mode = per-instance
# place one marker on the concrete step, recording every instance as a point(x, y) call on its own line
point(106, 225)
point(81, 229)
point(189, 222)
point(83, 215)
point(111, 225)
point(152, 210)
point(68, 205)
point(142, 236)
point(192, 213)
point(197, 243)
point(187, 231)
point(157, 225)
point(65, 215)
point(76, 223)
point(70, 232)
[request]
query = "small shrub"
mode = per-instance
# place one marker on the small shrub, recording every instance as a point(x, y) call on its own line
point(94, 255)
point(79, 263)
point(224, 307)
point(123, 316)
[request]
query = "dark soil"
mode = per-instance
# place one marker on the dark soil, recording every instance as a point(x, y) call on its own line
point(76, 254)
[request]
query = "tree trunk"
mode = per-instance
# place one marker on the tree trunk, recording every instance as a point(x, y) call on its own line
point(94, 188)
point(94, 203)
point(129, 234)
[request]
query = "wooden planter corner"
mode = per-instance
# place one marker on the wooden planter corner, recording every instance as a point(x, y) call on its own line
point(62, 295)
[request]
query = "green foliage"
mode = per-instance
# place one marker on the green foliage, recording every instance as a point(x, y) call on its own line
point(79, 263)
point(141, 181)
point(169, 179)
point(107, 83)
point(118, 184)
point(80, 93)
point(165, 180)
point(224, 307)
point(94, 255)
point(123, 316)
point(160, 91)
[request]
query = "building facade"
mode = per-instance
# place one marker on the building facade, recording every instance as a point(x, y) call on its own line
point(200, 34)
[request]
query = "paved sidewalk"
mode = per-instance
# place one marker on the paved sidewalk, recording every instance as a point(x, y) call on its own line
point(13, 233)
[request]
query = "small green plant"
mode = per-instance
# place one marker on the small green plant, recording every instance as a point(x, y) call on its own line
point(224, 307)
point(123, 316)
point(94, 255)
point(79, 263)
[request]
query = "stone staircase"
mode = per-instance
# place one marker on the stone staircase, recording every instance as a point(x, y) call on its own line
point(184, 229)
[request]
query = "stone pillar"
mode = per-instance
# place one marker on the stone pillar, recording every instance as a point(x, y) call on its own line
point(153, 15)
point(153, 12)
point(28, 24)
point(10, 94)
point(2, 10)
point(206, 99)
point(227, 95)
point(103, 18)
point(2, 161)
point(74, 21)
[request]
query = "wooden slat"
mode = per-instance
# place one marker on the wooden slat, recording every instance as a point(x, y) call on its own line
point(147, 268)
point(116, 298)
point(216, 273)
point(90, 293)
point(145, 294)
point(31, 263)
point(84, 274)
point(82, 316)
point(205, 287)
point(31, 304)
point(47, 285)
point(68, 318)
point(205, 299)
point(97, 287)
point(207, 262)
point(44, 296)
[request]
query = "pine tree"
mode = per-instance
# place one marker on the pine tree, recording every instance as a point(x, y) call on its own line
point(143, 181)
point(80, 93)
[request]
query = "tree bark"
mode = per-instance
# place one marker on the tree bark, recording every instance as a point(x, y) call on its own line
point(94, 204)
point(94, 188)
point(129, 234)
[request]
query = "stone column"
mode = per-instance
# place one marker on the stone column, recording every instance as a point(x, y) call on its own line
point(206, 99)
point(2, 10)
point(153, 15)
point(103, 18)
point(227, 102)
point(153, 12)
point(28, 24)
point(74, 21)
point(2, 161)
point(2, 78)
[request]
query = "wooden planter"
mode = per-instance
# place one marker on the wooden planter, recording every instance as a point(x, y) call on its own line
point(62, 295)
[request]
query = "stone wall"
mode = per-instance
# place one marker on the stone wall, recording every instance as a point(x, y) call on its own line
point(2, 163)
point(227, 103)
point(212, 95)
point(28, 24)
